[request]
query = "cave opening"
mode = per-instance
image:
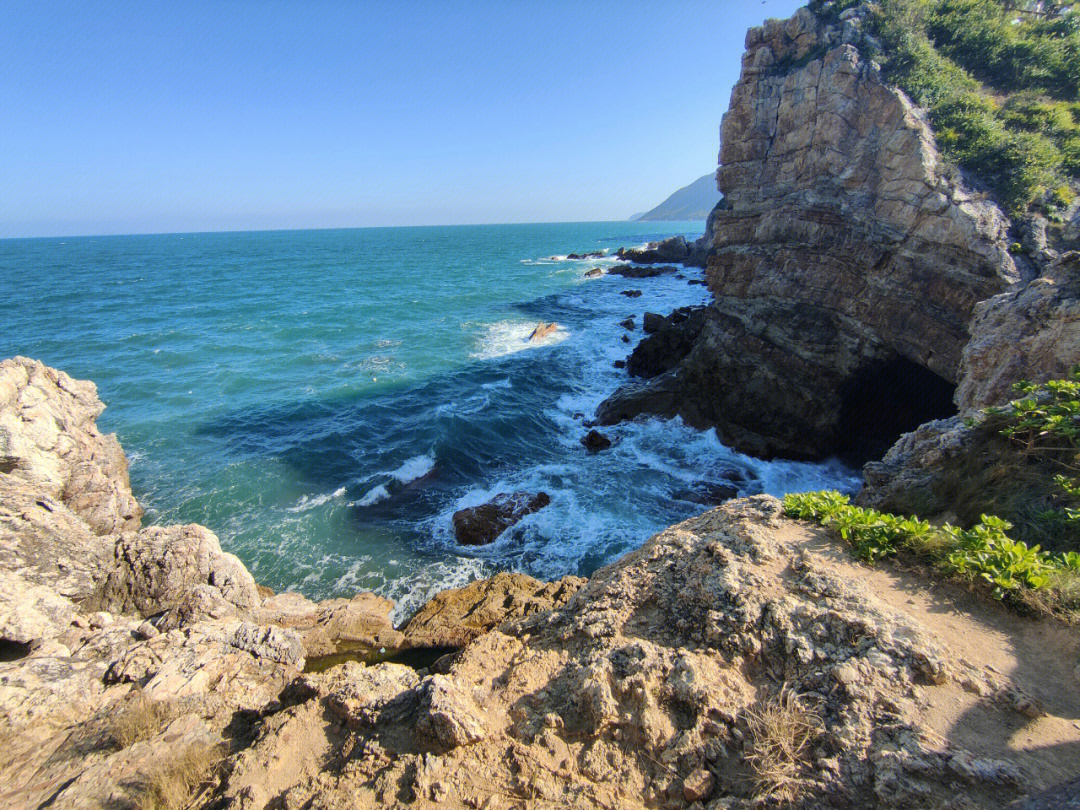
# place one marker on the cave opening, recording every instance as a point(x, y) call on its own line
point(13, 650)
point(885, 400)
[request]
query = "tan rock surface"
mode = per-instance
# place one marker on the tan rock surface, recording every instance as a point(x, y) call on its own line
point(1030, 334)
point(640, 690)
point(455, 617)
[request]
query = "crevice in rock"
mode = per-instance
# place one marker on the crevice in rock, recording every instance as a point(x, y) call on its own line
point(14, 650)
point(884, 400)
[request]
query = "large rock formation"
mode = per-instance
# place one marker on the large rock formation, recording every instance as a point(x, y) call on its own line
point(662, 682)
point(845, 261)
point(678, 675)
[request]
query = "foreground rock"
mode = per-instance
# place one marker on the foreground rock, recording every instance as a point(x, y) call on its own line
point(480, 525)
point(455, 617)
point(648, 689)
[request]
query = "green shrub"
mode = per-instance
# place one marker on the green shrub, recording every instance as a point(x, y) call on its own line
point(1001, 85)
point(984, 551)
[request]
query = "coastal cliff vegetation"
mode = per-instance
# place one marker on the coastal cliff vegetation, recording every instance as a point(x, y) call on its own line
point(1001, 82)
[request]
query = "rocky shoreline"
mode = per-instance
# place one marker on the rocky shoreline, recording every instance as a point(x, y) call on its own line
point(737, 660)
point(129, 649)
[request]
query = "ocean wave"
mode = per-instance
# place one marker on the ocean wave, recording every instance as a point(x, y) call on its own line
point(415, 468)
point(374, 495)
point(310, 502)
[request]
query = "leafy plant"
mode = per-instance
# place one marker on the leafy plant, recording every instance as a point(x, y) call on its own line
point(985, 551)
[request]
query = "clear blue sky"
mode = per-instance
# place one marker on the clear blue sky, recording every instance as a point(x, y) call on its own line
point(126, 117)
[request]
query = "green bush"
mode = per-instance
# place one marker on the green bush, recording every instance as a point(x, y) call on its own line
point(984, 551)
point(1001, 85)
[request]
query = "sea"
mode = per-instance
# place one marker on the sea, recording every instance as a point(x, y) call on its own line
point(325, 400)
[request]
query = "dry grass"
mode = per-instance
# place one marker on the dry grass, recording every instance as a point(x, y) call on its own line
point(172, 784)
point(781, 732)
point(138, 719)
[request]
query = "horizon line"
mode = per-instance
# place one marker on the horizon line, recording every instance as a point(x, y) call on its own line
point(341, 228)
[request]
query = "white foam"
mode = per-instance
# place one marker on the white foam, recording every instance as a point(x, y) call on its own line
point(307, 502)
point(509, 337)
point(503, 383)
point(374, 495)
point(414, 468)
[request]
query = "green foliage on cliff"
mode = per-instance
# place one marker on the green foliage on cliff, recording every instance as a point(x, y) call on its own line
point(1001, 82)
point(1044, 424)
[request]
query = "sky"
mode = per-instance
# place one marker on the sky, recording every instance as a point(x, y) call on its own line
point(128, 117)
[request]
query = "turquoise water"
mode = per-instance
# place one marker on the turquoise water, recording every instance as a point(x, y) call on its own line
point(325, 400)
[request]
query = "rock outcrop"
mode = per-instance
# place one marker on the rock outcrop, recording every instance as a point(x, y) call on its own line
point(1029, 334)
point(844, 254)
point(480, 525)
point(648, 686)
point(455, 617)
point(662, 682)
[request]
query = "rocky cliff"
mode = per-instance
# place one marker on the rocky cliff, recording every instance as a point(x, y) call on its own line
point(845, 262)
point(736, 659)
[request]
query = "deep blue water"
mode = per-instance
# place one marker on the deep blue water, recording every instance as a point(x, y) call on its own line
point(325, 400)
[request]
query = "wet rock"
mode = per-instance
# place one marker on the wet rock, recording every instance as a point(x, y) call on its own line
point(670, 340)
point(595, 254)
point(595, 441)
point(631, 293)
point(596, 272)
point(543, 330)
point(628, 323)
point(625, 338)
point(480, 525)
point(651, 322)
point(456, 616)
point(619, 364)
point(710, 494)
point(673, 249)
point(639, 271)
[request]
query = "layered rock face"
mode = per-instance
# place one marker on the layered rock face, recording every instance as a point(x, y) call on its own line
point(841, 252)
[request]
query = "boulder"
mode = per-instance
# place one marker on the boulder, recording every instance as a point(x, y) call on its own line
point(542, 330)
point(595, 441)
point(480, 525)
point(596, 272)
point(631, 293)
point(639, 271)
point(455, 617)
point(1028, 334)
point(673, 249)
point(651, 322)
point(627, 323)
point(595, 254)
point(177, 568)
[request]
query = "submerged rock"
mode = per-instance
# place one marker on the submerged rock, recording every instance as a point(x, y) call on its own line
point(638, 271)
point(480, 525)
point(631, 293)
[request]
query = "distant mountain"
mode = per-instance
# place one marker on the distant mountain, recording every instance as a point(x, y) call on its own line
point(695, 201)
